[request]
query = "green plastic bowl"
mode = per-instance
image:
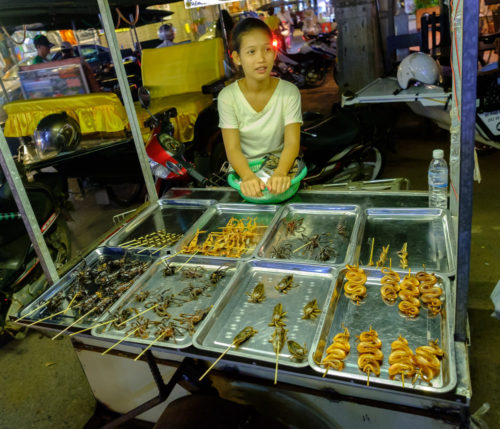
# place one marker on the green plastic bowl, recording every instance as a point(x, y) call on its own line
point(233, 180)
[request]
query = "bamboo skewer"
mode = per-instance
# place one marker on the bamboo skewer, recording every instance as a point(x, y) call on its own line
point(31, 312)
point(216, 362)
point(118, 342)
point(138, 314)
point(277, 358)
point(148, 347)
point(191, 257)
point(48, 317)
point(75, 322)
point(301, 247)
point(370, 264)
point(146, 248)
point(92, 327)
point(368, 378)
point(161, 248)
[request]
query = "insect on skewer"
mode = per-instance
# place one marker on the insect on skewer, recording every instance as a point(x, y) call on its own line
point(118, 342)
point(138, 314)
point(92, 327)
point(55, 314)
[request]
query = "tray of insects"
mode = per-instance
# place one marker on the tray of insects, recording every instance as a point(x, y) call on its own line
point(313, 233)
point(85, 292)
point(166, 306)
point(282, 301)
point(408, 238)
point(159, 227)
point(229, 230)
point(388, 328)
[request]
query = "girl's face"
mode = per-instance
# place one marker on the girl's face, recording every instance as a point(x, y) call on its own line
point(256, 55)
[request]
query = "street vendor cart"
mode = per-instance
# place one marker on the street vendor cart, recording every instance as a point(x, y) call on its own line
point(280, 306)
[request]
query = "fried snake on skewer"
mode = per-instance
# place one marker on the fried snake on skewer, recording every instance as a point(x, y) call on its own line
point(337, 352)
point(354, 288)
point(409, 293)
point(390, 288)
point(428, 361)
point(429, 292)
point(370, 353)
point(401, 360)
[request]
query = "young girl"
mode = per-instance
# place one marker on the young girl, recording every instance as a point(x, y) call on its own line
point(259, 115)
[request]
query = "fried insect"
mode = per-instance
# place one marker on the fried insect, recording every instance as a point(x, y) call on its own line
point(355, 288)
point(428, 361)
point(278, 339)
point(121, 317)
point(278, 316)
point(403, 256)
point(337, 352)
point(258, 293)
point(193, 273)
point(193, 291)
point(297, 351)
point(141, 296)
point(282, 251)
point(140, 327)
point(341, 230)
point(285, 284)
point(218, 275)
point(325, 253)
point(169, 270)
point(430, 293)
point(390, 285)
point(293, 226)
point(311, 310)
point(409, 293)
point(245, 334)
point(370, 353)
point(193, 319)
point(234, 239)
point(383, 256)
point(401, 360)
point(167, 331)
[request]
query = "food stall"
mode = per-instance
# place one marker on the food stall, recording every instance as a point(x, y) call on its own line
point(296, 306)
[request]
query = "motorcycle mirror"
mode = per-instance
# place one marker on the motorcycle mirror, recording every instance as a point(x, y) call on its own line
point(144, 97)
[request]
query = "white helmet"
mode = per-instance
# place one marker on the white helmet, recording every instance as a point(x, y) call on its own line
point(420, 67)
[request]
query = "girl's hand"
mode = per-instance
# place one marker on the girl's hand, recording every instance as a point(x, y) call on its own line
point(278, 183)
point(252, 186)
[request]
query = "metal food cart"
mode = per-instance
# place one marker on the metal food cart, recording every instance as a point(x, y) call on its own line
point(126, 376)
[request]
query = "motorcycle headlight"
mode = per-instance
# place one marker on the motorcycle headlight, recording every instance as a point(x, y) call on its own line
point(159, 170)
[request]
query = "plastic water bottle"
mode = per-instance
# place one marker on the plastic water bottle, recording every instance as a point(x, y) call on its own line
point(438, 180)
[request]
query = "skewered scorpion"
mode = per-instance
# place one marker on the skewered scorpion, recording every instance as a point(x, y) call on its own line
point(193, 319)
point(167, 331)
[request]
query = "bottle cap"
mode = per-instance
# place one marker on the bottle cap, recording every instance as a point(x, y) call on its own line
point(438, 154)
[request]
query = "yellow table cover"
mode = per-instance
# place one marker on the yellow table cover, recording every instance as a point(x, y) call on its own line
point(97, 112)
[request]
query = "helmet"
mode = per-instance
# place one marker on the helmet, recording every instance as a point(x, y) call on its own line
point(166, 32)
point(418, 66)
point(56, 133)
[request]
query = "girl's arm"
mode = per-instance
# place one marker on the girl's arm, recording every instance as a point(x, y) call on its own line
point(251, 185)
point(280, 181)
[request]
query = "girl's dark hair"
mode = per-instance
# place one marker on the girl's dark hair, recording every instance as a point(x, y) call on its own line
point(244, 27)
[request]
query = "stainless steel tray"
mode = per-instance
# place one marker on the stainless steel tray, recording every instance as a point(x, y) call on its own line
point(67, 285)
point(389, 324)
point(155, 282)
point(173, 216)
point(428, 232)
point(338, 223)
point(217, 216)
point(233, 311)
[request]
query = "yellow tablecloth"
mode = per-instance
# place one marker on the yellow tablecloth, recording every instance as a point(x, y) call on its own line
point(98, 112)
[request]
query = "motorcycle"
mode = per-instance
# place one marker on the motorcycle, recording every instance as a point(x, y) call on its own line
point(306, 68)
point(19, 264)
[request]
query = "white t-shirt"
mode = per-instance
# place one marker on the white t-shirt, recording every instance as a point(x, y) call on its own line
point(261, 133)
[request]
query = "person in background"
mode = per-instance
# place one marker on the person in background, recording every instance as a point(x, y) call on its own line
point(166, 33)
point(68, 51)
point(287, 22)
point(43, 47)
point(272, 21)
